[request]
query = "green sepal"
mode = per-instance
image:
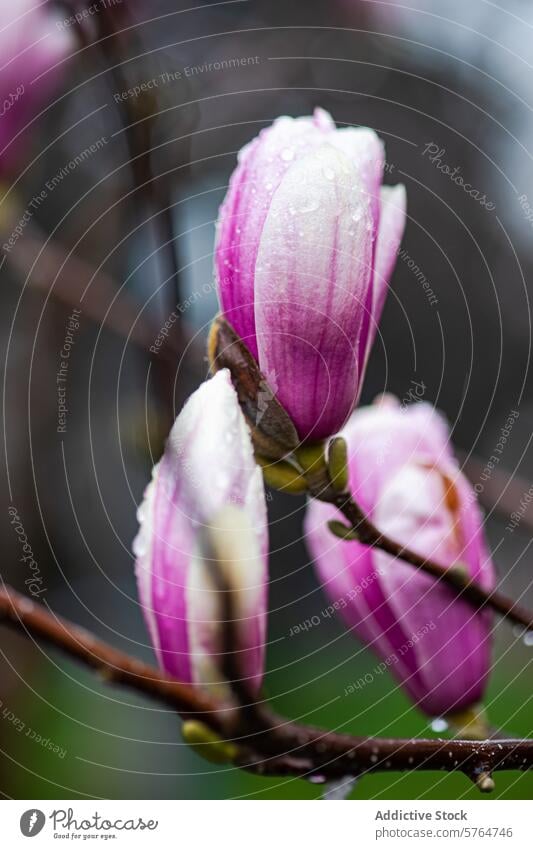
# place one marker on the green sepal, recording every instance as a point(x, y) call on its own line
point(345, 532)
point(338, 464)
point(207, 744)
point(282, 475)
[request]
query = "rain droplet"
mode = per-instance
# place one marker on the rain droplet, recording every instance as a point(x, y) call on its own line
point(439, 724)
point(341, 789)
point(528, 638)
point(141, 513)
point(329, 173)
point(310, 206)
point(317, 779)
point(287, 154)
point(139, 545)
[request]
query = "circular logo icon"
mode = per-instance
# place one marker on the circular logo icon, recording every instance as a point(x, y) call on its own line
point(32, 822)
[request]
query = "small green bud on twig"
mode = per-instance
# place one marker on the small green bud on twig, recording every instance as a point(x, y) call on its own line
point(207, 744)
point(338, 464)
point(345, 532)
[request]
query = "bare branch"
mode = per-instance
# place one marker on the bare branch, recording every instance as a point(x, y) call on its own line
point(271, 745)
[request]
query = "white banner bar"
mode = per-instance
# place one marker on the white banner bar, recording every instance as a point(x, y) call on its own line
point(262, 825)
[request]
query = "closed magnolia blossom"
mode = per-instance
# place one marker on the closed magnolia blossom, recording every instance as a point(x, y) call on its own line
point(403, 474)
point(307, 240)
point(205, 501)
point(33, 45)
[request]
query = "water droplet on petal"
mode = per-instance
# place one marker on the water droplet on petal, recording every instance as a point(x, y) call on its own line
point(329, 173)
point(287, 154)
point(528, 638)
point(139, 546)
point(310, 205)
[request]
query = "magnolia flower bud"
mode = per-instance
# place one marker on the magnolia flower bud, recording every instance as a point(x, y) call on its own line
point(32, 46)
point(404, 476)
point(205, 510)
point(307, 241)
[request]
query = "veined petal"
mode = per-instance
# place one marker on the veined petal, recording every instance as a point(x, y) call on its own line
point(207, 465)
point(313, 271)
point(261, 167)
point(404, 476)
point(449, 640)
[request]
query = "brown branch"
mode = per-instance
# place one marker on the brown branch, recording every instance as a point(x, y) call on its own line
point(271, 745)
point(368, 534)
point(114, 666)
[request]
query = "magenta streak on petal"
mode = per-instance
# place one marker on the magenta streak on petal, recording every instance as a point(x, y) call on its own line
point(171, 558)
point(309, 288)
point(259, 172)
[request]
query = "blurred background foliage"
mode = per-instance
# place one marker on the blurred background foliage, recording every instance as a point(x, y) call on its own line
point(457, 75)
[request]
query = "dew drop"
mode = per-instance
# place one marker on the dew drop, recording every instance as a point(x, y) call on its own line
point(439, 724)
point(287, 154)
point(139, 546)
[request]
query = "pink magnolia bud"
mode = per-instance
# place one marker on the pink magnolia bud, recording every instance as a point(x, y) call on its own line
point(404, 476)
point(33, 43)
point(205, 501)
point(307, 241)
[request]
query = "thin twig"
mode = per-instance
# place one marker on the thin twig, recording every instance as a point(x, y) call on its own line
point(368, 534)
point(321, 488)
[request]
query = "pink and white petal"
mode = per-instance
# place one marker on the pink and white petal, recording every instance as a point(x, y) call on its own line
point(383, 438)
point(262, 165)
point(313, 273)
point(163, 550)
point(392, 217)
point(451, 654)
